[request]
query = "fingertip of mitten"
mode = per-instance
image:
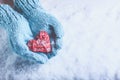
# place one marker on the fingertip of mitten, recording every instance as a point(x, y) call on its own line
point(4, 14)
point(8, 15)
point(42, 61)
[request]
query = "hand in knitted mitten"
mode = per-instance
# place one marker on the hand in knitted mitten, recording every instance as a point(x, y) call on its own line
point(40, 20)
point(19, 33)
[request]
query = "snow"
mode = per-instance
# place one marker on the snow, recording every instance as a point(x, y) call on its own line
point(91, 49)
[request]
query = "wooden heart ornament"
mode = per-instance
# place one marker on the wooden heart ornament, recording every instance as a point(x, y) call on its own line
point(41, 43)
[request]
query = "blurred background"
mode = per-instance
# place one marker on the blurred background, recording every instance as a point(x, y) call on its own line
point(91, 49)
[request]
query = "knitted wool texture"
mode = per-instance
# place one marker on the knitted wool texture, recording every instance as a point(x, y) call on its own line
point(22, 29)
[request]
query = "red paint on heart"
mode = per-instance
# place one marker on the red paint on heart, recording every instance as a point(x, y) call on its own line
point(41, 43)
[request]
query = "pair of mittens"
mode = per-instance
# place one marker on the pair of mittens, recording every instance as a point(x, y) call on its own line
point(28, 22)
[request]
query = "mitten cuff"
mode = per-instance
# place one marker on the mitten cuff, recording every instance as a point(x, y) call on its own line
point(27, 7)
point(7, 15)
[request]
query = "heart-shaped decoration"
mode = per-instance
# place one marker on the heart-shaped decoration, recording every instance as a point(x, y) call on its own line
point(41, 43)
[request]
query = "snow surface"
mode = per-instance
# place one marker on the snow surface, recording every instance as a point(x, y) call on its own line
point(91, 49)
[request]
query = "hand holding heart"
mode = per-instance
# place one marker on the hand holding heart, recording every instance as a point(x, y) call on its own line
point(31, 38)
point(39, 20)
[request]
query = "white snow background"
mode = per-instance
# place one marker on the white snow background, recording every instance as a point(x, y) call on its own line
point(91, 49)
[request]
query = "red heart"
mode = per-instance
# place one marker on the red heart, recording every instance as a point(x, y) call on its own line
point(41, 43)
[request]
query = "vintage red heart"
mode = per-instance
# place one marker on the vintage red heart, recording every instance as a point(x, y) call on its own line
point(41, 43)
